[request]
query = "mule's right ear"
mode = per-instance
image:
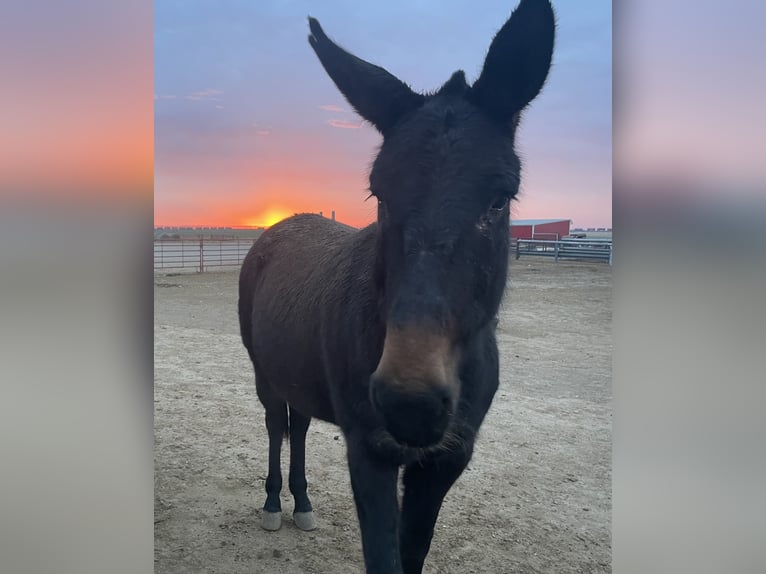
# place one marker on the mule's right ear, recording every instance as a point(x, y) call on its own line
point(377, 95)
point(517, 63)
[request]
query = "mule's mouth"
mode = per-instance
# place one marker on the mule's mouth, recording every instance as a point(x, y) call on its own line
point(453, 438)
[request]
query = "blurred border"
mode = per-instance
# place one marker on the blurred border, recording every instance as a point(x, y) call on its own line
point(76, 183)
point(689, 317)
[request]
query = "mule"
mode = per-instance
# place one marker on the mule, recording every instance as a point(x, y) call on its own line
point(389, 331)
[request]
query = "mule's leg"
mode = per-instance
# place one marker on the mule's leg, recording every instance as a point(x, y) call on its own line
point(374, 483)
point(425, 485)
point(303, 516)
point(276, 424)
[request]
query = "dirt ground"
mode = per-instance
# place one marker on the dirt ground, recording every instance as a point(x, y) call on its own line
point(535, 498)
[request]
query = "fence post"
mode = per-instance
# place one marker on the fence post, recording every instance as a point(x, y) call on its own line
point(201, 255)
point(556, 252)
point(518, 249)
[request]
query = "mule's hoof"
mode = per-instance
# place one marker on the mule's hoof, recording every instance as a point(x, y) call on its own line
point(271, 521)
point(305, 520)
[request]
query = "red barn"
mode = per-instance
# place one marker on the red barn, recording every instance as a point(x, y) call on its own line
point(551, 229)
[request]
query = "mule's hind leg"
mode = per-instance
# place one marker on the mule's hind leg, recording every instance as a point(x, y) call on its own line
point(276, 425)
point(303, 515)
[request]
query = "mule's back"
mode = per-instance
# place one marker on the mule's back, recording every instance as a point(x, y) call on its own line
point(284, 279)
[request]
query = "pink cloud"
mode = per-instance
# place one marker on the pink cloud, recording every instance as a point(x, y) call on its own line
point(331, 108)
point(263, 132)
point(345, 124)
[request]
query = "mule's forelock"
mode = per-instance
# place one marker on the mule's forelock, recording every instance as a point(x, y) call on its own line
point(377, 95)
point(455, 86)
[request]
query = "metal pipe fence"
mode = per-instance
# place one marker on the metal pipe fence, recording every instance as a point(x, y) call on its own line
point(200, 254)
point(565, 249)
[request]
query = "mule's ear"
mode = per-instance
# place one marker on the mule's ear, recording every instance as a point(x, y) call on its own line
point(517, 63)
point(378, 96)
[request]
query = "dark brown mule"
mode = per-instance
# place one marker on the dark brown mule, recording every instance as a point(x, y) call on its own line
point(388, 332)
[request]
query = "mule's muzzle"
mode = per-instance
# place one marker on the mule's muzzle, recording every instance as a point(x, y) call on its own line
point(415, 385)
point(414, 418)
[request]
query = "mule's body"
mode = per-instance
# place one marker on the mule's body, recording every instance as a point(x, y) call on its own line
point(309, 318)
point(388, 332)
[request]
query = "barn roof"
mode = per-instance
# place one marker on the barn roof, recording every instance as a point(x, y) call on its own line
point(535, 221)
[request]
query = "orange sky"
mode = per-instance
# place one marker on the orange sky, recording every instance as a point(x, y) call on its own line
point(283, 173)
point(324, 168)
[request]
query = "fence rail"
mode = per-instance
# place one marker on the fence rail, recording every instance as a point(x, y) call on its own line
point(200, 254)
point(205, 253)
point(568, 249)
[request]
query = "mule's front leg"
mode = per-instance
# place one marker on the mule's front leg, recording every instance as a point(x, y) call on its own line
point(425, 485)
point(374, 483)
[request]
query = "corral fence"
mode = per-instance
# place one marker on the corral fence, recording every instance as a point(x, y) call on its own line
point(200, 254)
point(565, 249)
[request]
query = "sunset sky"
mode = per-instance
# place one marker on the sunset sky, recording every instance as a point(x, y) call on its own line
point(249, 128)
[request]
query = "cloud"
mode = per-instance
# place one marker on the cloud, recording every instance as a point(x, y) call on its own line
point(208, 94)
point(164, 97)
point(345, 124)
point(331, 108)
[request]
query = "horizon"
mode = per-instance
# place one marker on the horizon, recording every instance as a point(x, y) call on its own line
point(219, 227)
point(340, 220)
point(229, 152)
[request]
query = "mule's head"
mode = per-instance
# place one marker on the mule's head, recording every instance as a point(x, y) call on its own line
point(444, 177)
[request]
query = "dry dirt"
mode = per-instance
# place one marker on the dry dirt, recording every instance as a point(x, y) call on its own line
point(535, 498)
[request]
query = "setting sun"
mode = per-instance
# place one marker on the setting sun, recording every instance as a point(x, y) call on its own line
point(268, 218)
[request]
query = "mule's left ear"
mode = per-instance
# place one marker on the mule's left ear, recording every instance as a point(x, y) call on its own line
point(517, 63)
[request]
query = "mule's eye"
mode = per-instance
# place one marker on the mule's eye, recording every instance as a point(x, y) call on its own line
point(499, 203)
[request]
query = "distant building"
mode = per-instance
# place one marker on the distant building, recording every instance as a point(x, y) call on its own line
point(552, 229)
